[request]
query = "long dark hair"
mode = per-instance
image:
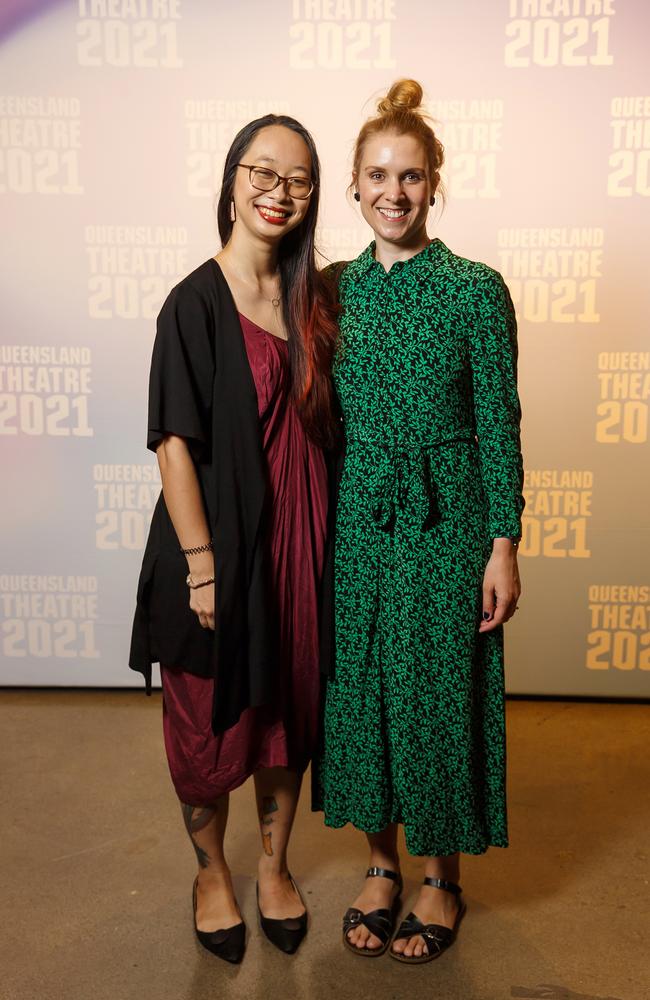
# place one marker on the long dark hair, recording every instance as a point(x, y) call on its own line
point(309, 307)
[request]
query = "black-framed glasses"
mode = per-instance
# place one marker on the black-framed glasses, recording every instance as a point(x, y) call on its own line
point(265, 179)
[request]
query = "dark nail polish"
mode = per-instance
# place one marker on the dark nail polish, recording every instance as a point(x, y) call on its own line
point(486, 615)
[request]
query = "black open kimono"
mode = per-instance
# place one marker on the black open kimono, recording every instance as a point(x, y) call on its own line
point(201, 388)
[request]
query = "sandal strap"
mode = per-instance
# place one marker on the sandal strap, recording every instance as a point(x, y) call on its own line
point(441, 883)
point(436, 937)
point(378, 922)
point(384, 873)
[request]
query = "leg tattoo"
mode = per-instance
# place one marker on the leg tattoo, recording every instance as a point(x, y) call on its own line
point(269, 806)
point(196, 818)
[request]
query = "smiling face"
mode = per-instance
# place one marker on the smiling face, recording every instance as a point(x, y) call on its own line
point(395, 189)
point(272, 214)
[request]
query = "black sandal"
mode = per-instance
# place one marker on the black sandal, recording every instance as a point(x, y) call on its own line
point(436, 937)
point(381, 923)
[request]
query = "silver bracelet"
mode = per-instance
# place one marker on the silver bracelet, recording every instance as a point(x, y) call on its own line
point(199, 583)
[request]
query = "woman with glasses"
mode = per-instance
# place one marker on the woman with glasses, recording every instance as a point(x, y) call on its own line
point(239, 412)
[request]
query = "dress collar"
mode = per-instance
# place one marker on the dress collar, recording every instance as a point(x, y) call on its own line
point(420, 261)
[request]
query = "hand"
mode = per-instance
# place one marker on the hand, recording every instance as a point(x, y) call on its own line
point(201, 567)
point(202, 603)
point(501, 585)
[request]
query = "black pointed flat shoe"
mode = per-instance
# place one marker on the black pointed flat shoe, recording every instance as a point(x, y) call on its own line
point(436, 937)
point(285, 934)
point(228, 944)
point(381, 923)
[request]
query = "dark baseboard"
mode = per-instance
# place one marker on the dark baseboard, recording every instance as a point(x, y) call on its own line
point(591, 698)
point(595, 699)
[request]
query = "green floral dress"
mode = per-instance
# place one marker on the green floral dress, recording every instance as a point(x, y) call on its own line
point(414, 715)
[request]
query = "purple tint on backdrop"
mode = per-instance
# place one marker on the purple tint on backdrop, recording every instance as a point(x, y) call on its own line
point(15, 13)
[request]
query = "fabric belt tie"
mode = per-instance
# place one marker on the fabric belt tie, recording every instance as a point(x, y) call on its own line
point(405, 468)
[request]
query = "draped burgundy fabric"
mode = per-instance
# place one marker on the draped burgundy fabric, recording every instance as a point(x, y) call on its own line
point(204, 765)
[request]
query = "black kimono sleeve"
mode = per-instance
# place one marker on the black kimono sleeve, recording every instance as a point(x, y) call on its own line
point(182, 372)
point(165, 630)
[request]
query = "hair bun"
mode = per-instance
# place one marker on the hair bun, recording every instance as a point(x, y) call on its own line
point(404, 95)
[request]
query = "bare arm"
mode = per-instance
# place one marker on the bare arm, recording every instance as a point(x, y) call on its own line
point(184, 503)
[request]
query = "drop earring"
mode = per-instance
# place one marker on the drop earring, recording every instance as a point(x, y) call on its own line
point(233, 214)
point(357, 196)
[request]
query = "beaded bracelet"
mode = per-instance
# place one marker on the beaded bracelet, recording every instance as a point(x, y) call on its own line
point(197, 549)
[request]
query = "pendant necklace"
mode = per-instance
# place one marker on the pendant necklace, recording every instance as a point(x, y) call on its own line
point(275, 301)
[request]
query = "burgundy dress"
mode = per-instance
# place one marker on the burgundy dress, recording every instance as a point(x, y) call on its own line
point(204, 766)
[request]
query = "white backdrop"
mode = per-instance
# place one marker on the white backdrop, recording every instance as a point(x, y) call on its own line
point(115, 116)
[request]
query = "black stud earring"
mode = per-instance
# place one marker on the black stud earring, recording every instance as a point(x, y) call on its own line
point(432, 200)
point(357, 196)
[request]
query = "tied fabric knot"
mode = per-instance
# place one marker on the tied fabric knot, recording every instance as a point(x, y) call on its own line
point(405, 466)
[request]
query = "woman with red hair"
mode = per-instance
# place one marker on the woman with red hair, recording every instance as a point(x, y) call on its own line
point(427, 526)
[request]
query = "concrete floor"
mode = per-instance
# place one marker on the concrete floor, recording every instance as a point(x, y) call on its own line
point(97, 871)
